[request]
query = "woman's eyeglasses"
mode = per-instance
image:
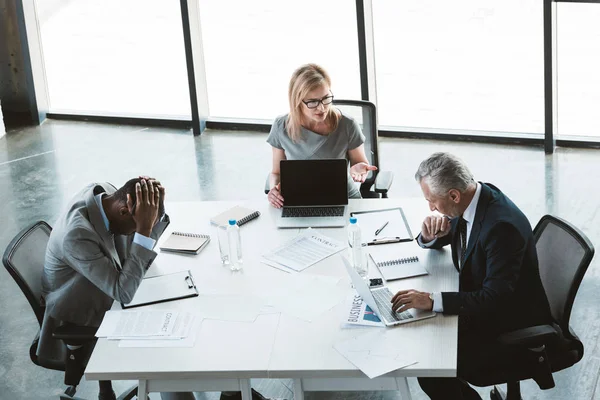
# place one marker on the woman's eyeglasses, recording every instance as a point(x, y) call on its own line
point(315, 103)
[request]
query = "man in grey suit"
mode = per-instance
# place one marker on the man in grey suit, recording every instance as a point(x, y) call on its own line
point(99, 251)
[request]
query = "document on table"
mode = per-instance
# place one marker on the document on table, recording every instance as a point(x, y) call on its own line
point(124, 324)
point(187, 323)
point(375, 353)
point(306, 249)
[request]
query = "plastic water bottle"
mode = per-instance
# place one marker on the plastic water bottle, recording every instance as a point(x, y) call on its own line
point(355, 242)
point(235, 246)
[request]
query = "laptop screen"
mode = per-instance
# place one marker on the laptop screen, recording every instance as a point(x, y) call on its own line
point(314, 182)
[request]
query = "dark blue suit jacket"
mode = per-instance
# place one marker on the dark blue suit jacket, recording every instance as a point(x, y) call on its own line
point(500, 288)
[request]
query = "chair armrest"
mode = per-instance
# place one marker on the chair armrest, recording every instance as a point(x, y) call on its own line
point(74, 333)
point(533, 336)
point(267, 184)
point(383, 181)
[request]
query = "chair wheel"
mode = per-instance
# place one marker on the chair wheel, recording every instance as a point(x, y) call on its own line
point(71, 390)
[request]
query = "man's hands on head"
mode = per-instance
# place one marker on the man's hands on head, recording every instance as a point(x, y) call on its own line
point(434, 227)
point(161, 205)
point(146, 211)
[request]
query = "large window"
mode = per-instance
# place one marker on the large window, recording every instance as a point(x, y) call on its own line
point(465, 65)
point(251, 49)
point(115, 57)
point(578, 69)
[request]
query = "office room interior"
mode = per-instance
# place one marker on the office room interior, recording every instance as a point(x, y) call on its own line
point(187, 92)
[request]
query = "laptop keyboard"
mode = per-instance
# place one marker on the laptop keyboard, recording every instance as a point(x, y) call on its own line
point(296, 212)
point(383, 298)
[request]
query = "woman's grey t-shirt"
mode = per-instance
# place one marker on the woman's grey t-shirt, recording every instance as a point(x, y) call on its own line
point(313, 146)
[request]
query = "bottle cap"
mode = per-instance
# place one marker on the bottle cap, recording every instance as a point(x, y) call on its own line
point(353, 220)
point(232, 222)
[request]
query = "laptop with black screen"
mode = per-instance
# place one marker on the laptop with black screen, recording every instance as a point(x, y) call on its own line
point(315, 193)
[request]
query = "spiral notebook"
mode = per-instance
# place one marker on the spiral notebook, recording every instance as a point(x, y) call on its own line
point(186, 243)
point(240, 214)
point(394, 265)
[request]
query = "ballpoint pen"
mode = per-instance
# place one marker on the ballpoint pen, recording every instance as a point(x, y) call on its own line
point(378, 231)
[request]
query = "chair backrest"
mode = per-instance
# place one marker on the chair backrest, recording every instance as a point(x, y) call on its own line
point(365, 114)
point(24, 260)
point(564, 254)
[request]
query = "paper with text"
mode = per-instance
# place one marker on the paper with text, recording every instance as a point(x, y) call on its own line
point(122, 324)
point(189, 326)
point(306, 249)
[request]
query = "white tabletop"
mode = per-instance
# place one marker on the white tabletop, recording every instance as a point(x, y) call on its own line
point(278, 345)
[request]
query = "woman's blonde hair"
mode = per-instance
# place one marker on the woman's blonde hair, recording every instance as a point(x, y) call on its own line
point(304, 80)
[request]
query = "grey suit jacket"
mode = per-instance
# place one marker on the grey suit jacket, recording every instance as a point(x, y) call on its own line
point(87, 268)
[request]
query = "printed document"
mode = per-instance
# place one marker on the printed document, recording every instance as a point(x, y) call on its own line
point(306, 249)
point(185, 333)
point(125, 324)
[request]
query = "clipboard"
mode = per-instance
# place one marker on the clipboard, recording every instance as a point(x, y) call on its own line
point(390, 225)
point(162, 288)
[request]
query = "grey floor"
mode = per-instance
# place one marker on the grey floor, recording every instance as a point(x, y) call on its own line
point(41, 167)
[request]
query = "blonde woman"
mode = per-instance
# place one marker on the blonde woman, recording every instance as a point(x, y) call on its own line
point(314, 129)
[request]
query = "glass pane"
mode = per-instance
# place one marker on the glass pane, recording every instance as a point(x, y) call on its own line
point(115, 57)
point(467, 65)
point(578, 54)
point(251, 49)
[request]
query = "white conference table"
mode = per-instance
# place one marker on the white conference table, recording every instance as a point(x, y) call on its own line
point(227, 354)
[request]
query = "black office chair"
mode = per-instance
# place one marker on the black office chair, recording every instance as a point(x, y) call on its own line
point(564, 254)
point(24, 261)
point(364, 113)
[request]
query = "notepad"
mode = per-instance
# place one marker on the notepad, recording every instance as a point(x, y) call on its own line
point(395, 265)
point(161, 288)
point(241, 214)
point(187, 243)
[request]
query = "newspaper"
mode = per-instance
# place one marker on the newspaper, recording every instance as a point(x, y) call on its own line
point(360, 314)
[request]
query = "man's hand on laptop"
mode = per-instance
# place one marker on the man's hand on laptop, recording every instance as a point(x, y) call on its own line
point(407, 299)
point(359, 171)
point(275, 197)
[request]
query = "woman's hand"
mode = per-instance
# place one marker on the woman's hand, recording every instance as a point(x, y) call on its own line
point(359, 171)
point(275, 197)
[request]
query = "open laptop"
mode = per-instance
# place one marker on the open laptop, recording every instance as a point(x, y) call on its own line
point(379, 299)
point(315, 193)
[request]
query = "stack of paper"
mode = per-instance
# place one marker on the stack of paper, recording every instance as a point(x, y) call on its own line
point(157, 328)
